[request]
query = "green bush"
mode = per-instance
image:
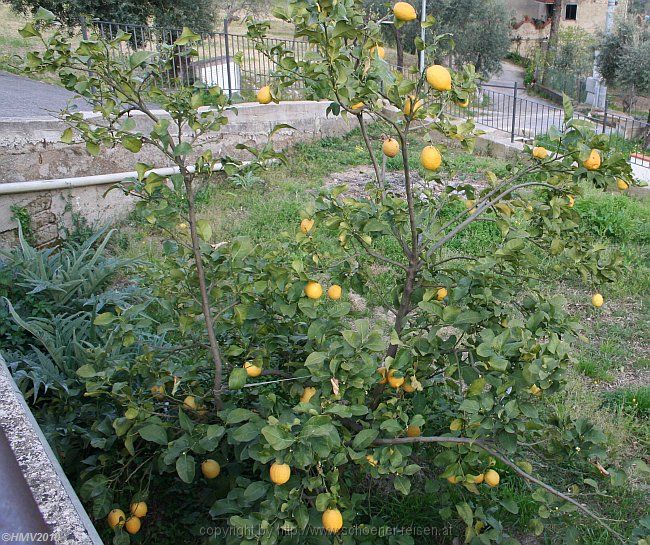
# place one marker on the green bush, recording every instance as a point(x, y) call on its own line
point(615, 217)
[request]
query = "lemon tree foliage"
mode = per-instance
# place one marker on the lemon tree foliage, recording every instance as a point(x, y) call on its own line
point(268, 392)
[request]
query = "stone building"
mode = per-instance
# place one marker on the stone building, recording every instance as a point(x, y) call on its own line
point(531, 19)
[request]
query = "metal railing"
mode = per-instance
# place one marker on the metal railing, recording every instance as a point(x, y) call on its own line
point(525, 118)
point(232, 62)
point(228, 60)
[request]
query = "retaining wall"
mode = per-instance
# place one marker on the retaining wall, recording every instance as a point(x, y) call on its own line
point(30, 149)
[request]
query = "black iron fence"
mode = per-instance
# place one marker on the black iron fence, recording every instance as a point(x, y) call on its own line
point(503, 108)
point(232, 62)
point(225, 59)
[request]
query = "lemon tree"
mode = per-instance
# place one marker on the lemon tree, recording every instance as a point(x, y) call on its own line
point(267, 380)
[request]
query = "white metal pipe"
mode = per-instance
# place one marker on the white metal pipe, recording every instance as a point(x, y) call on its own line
point(423, 32)
point(13, 188)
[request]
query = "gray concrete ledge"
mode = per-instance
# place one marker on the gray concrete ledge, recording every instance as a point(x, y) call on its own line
point(57, 501)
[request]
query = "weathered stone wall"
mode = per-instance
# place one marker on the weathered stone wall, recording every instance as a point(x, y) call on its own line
point(31, 150)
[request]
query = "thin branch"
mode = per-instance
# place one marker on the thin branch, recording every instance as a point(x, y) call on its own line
point(490, 450)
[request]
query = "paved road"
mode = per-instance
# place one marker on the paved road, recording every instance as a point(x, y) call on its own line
point(26, 98)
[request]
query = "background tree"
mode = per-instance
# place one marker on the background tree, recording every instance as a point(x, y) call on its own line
point(480, 28)
point(197, 14)
point(624, 60)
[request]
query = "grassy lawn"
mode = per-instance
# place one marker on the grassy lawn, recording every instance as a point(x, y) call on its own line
point(608, 383)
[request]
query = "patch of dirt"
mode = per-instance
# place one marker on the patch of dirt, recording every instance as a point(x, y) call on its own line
point(357, 178)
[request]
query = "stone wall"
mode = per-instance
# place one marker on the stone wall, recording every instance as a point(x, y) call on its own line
point(31, 150)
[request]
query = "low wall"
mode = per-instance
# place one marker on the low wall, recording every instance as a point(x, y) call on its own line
point(30, 149)
point(37, 497)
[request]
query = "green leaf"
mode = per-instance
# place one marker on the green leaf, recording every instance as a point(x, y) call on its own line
point(245, 433)
point(67, 136)
point(237, 378)
point(255, 491)
point(154, 433)
point(132, 143)
point(364, 438)
point(239, 415)
point(187, 36)
point(86, 371)
point(402, 484)
point(510, 505)
point(92, 148)
point(204, 230)
point(139, 57)
point(465, 512)
point(186, 468)
point(104, 318)
point(568, 108)
point(277, 437)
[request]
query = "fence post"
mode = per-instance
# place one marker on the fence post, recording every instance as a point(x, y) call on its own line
point(225, 36)
point(514, 114)
point(84, 27)
point(605, 117)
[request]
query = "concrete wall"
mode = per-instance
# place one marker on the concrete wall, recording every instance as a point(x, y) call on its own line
point(30, 149)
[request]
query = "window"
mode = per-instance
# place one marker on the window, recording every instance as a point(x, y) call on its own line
point(571, 12)
point(550, 9)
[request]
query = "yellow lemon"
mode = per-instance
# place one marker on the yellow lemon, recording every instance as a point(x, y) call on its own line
point(491, 478)
point(380, 51)
point(332, 520)
point(139, 509)
point(441, 294)
point(413, 431)
point(478, 479)
point(371, 460)
point(133, 525)
point(593, 161)
point(158, 391)
point(210, 469)
point(306, 225)
point(535, 390)
point(190, 403)
point(357, 106)
point(452, 479)
point(334, 292)
point(439, 77)
point(622, 185)
point(116, 518)
point(411, 105)
point(408, 387)
point(279, 473)
point(264, 95)
point(382, 372)
point(404, 11)
point(313, 290)
point(252, 370)
point(572, 201)
point(430, 158)
point(307, 394)
point(540, 152)
point(463, 103)
point(390, 147)
point(393, 381)
point(597, 300)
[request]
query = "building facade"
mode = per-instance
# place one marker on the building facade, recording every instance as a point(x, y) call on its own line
point(531, 19)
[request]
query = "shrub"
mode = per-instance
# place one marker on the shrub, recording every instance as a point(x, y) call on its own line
point(248, 361)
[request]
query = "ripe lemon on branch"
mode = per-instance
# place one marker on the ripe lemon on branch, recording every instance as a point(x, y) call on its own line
point(594, 161)
point(431, 158)
point(540, 152)
point(404, 11)
point(332, 520)
point(210, 469)
point(306, 225)
point(139, 509)
point(334, 292)
point(390, 147)
point(116, 518)
point(439, 77)
point(313, 290)
point(252, 370)
point(264, 95)
point(279, 473)
point(411, 105)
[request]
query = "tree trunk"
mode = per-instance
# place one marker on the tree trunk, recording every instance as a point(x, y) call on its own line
point(552, 37)
point(399, 46)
